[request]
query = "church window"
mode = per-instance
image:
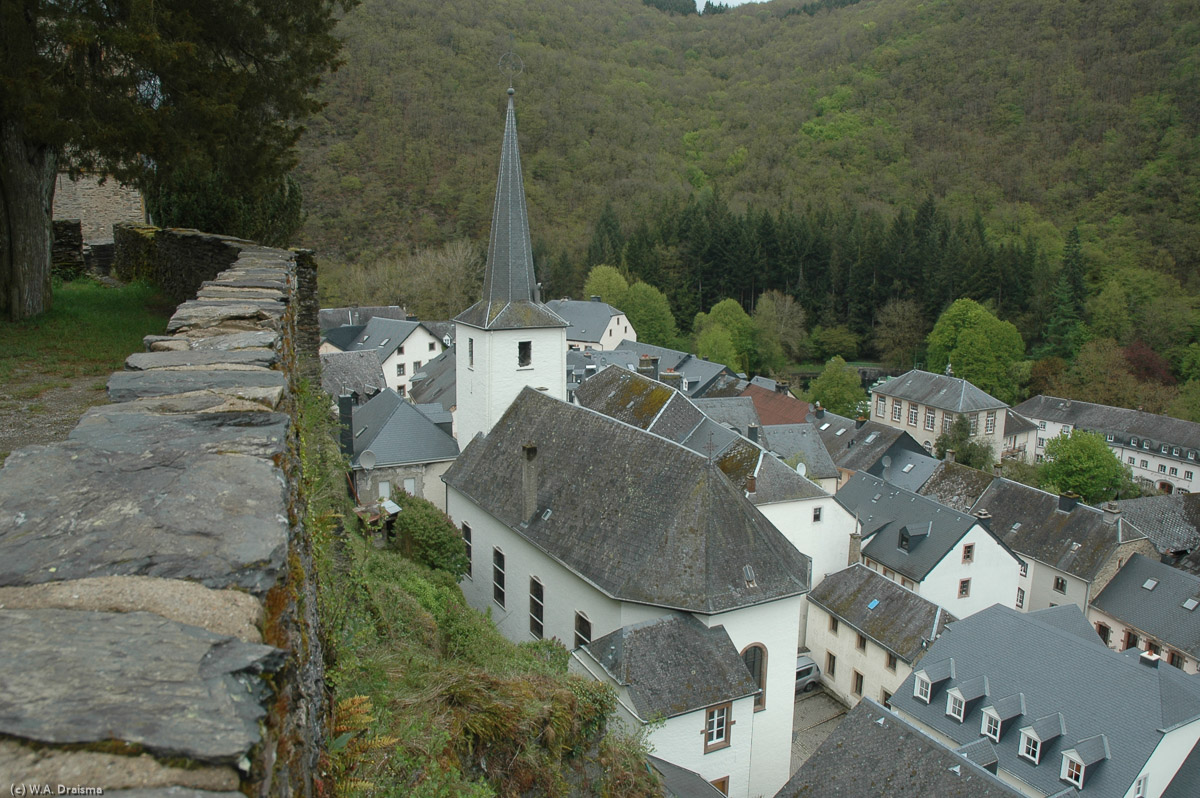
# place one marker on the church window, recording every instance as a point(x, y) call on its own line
point(716, 727)
point(755, 657)
point(524, 353)
point(471, 352)
point(498, 576)
point(583, 630)
point(537, 606)
point(466, 536)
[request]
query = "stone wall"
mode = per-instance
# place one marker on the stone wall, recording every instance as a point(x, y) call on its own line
point(99, 206)
point(177, 261)
point(158, 625)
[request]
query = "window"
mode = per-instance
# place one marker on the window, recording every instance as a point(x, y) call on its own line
point(862, 642)
point(930, 418)
point(1176, 659)
point(716, 727)
point(1020, 598)
point(721, 784)
point(1140, 786)
point(416, 365)
point(1173, 471)
point(583, 630)
point(881, 407)
point(432, 346)
point(1163, 448)
point(1153, 648)
point(885, 698)
point(1104, 631)
point(858, 683)
point(1060, 584)
point(974, 423)
point(1030, 747)
point(1072, 771)
point(816, 515)
point(1162, 469)
point(400, 350)
point(1133, 441)
point(990, 727)
point(1066, 430)
point(1145, 444)
point(906, 582)
point(755, 657)
point(399, 369)
point(947, 421)
point(466, 535)
point(1024, 569)
point(1131, 640)
point(537, 606)
point(955, 707)
point(891, 662)
point(1041, 425)
point(922, 688)
point(524, 353)
point(1145, 464)
point(969, 552)
point(401, 391)
point(498, 576)
point(964, 588)
point(912, 414)
point(833, 624)
point(1187, 474)
point(1041, 441)
point(470, 351)
point(830, 664)
point(897, 409)
point(1131, 460)
point(989, 424)
point(1110, 437)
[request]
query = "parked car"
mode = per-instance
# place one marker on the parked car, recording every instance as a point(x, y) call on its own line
point(808, 675)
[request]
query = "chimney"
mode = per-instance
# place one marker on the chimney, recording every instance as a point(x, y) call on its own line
point(1067, 502)
point(529, 482)
point(752, 433)
point(1112, 512)
point(648, 366)
point(998, 470)
point(819, 411)
point(855, 547)
point(781, 386)
point(671, 378)
point(595, 297)
point(984, 517)
point(751, 484)
point(858, 422)
point(1149, 659)
point(346, 420)
point(949, 455)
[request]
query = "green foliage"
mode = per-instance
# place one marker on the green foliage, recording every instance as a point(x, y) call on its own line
point(981, 348)
point(900, 330)
point(779, 323)
point(839, 388)
point(836, 341)
point(1186, 404)
point(607, 283)
point(649, 312)
point(427, 535)
point(972, 452)
point(729, 316)
point(1082, 463)
point(716, 344)
point(682, 7)
point(270, 213)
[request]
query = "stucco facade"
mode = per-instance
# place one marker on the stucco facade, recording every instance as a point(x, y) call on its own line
point(418, 348)
point(879, 681)
point(423, 480)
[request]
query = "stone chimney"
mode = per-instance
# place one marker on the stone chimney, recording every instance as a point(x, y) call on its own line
point(781, 386)
point(1149, 659)
point(595, 297)
point(752, 433)
point(648, 366)
point(985, 517)
point(346, 423)
point(529, 483)
point(672, 378)
point(1112, 512)
point(1067, 502)
point(950, 455)
point(751, 484)
point(858, 422)
point(819, 411)
point(855, 546)
point(998, 470)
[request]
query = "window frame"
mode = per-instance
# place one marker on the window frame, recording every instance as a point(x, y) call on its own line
point(930, 419)
point(858, 683)
point(964, 588)
point(881, 407)
point(922, 689)
point(816, 515)
point(1060, 585)
point(989, 422)
point(1140, 786)
point(760, 700)
point(914, 413)
point(830, 664)
point(989, 727)
point(833, 625)
point(1072, 771)
point(1020, 598)
point(968, 553)
point(861, 642)
point(524, 354)
point(400, 370)
point(897, 410)
point(956, 707)
point(583, 629)
point(537, 608)
point(468, 544)
point(470, 353)
point(717, 718)
point(892, 662)
point(498, 576)
point(1030, 748)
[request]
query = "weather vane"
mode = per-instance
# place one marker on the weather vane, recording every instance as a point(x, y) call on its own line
point(511, 65)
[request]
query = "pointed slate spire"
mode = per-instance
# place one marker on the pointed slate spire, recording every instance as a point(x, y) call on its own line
point(509, 287)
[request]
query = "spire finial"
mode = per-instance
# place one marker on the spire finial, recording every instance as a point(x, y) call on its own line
point(511, 65)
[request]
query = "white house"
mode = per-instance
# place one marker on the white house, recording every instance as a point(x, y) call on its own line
point(925, 404)
point(401, 346)
point(948, 557)
point(594, 324)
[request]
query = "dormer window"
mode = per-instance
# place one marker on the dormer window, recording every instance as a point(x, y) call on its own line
point(1133, 441)
point(1072, 771)
point(905, 539)
point(1031, 747)
point(955, 706)
point(922, 688)
point(990, 727)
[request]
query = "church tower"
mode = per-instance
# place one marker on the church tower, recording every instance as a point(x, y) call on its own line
point(509, 339)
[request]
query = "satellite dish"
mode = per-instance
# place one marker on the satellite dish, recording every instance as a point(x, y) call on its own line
point(367, 459)
point(801, 469)
point(887, 462)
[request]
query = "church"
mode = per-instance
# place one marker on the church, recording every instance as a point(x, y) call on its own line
point(641, 555)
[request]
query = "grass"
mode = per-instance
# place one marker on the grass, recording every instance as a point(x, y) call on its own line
point(88, 331)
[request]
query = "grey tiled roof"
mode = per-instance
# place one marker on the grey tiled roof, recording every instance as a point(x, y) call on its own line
point(905, 469)
point(1172, 521)
point(859, 448)
point(1015, 423)
point(790, 440)
point(956, 485)
point(1158, 612)
point(886, 510)
point(876, 754)
point(734, 411)
point(398, 433)
point(351, 372)
point(383, 336)
point(1186, 783)
point(436, 382)
point(901, 621)
point(938, 390)
point(665, 527)
point(509, 300)
point(674, 665)
point(1078, 542)
point(1055, 660)
point(441, 330)
point(329, 318)
point(343, 337)
point(700, 376)
point(679, 782)
point(588, 320)
point(1117, 420)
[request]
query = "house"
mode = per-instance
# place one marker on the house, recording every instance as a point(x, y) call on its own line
point(1020, 435)
point(593, 324)
point(1060, 713)
point(1152, 607)
point(801, 444)
point(401, 346)
point(1172, 520)
point(393, 444)
point(332, 318)
point(866, 632)
point(735, 412)
point(1160, 450)
point(857, 445)
point(579, 525)
point(696, 377)
point(776, 406)
point(948, 557)
point(355, 373)
point(875, 753)
point(435, 383)
point(925, 405)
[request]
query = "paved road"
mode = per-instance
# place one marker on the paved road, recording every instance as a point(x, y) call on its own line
point(817, 715)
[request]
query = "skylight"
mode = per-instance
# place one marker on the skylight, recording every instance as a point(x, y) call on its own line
point(874, 603)
point(384, 341)
point(872, 437)
point(1191, 604)
point(839, 432)
point(825, 426)
point(907, 468)
point(1016, 525)
point(1150, 584)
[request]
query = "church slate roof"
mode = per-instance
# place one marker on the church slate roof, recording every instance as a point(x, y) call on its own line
point(351, 372)
point(674, 665)
point(875, 753)
point(901, 621)
point(640, 517)
point(509, 289)
point(1172, 521)
point(1159, 611)
point(588, 319)
point(1054, 658)
point(398, 433)
point(938, 390)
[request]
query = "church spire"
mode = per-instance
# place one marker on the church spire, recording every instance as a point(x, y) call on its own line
point(509, 289)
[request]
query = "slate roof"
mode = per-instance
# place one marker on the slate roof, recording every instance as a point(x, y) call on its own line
point(956, 485)
point(900, 621)
point(1172, 520)
point(666, 527)
point(1158, 612)
point(509, 288)
point(398, 433)
point(383, 336)
point(436, 381)
point(1015, 423)
point(938, 390)
point(701, 377)
point(441, 330)
point(777, 408)
point(858, 448)
point(673, 665)
point(732, 411)
point(328, 318)
point(1055, 660)
point(343, 337)
point(1186, 783)
point(885, 511)
point(790, 440)
point(588, 320)
point(905, 469)
point(1078, 542)
point(351, 373)
point(1117, 420)
point(874, 753)
point(679, 782)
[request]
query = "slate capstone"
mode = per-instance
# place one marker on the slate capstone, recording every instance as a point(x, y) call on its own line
point(126, 385)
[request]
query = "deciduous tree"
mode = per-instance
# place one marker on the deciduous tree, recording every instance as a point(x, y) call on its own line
point(980, 348)
point(838, 388)
point(649, 312)
point(608, 283)
point(976, 453)
point(1082, 463)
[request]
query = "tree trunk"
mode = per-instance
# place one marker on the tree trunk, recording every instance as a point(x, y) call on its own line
point(27, 175)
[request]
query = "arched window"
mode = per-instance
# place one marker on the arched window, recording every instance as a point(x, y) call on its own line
point(755, 657)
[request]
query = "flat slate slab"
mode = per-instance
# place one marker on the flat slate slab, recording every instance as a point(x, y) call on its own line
point(132, 428)
point(238, 340)
point(69, 511)
point(210, 314)
point(143, 361)
point(73, 676)
point(126, 385)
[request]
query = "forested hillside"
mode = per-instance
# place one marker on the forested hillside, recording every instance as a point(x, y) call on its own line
point(879, 152)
